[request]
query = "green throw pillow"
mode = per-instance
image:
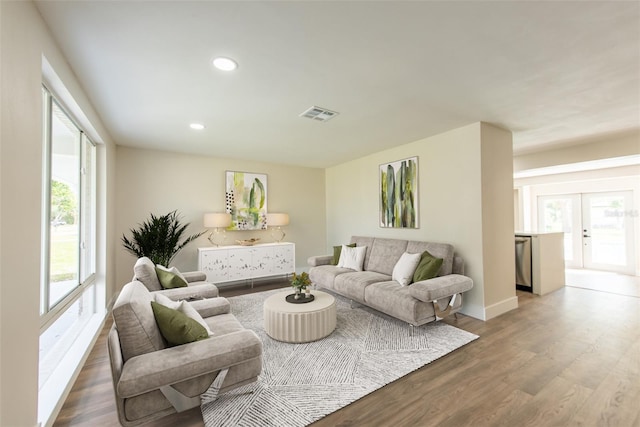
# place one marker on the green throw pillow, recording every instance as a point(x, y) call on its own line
point(337, 250)
point(427, 268)
point(170, 280)
point(176, 327)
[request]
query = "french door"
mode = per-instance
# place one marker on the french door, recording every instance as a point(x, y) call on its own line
point(598, 228)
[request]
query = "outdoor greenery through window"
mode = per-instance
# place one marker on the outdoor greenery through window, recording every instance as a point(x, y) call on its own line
point(68, 294)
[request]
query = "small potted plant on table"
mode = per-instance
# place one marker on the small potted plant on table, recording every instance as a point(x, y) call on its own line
point(301, 283)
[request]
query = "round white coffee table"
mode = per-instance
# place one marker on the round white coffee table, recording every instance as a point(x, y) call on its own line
point(298, 323)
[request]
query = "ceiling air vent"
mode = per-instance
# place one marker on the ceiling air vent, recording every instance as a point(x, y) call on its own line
point(318, 113)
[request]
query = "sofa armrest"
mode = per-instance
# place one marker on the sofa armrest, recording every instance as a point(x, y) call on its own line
point(440, 287)
point(194, 276)
point(314, 261)
point(209, 307)
point(151, 371)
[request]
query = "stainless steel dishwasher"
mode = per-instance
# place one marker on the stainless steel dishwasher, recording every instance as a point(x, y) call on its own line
point(524, 280)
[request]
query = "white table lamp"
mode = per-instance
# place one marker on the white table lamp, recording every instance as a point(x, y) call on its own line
point(277, 220)
point(218, 221)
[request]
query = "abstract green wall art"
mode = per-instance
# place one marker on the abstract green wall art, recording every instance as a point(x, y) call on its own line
point(399, 194)
point(246, 199)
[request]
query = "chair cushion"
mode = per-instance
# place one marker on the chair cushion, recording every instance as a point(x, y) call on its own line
point(135, 322)
point(176, 327)
point(175, 270)
point(183, 307)
point(145, 272)
point(169, 279)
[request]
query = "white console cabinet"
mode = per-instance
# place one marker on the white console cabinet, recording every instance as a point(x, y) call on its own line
point(231, 263)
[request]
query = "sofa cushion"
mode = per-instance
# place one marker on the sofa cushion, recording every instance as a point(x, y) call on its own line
point(337, 250)
point(438, 250)
point(395, 300)
point(427, 268)
point(405, 267)
point(352, 258)
point(169, 279)
point(353, 284)
point(385, 253)
point(145, 272)
point(177, 328)
point(134, 320)
point(324, 275)
point(364, 241)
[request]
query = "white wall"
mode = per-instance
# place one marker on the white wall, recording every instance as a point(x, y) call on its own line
point(20, 227)
point(159, 182)
point(497, 221)
point(602, 147)
point(24, 40)
point(453, 191)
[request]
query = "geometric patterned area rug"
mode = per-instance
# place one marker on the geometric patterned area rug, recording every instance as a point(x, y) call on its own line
point(301, 383)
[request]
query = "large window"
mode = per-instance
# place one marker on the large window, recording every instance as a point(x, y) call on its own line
point(68, 288)
point(69, 252)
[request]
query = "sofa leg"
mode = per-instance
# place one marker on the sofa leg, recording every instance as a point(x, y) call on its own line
point(351, 303)
point(411, 329)
point(455, 315)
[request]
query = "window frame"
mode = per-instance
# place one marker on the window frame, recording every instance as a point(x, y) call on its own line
point(49, 313)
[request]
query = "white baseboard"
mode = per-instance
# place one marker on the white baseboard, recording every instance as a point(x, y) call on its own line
point(495, 310)
point(475, 311)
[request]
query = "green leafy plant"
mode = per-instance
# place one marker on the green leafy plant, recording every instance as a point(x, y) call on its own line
point(159, 238)
point(300, 281)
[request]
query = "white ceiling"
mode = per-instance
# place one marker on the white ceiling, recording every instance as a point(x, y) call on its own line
point(396, 71)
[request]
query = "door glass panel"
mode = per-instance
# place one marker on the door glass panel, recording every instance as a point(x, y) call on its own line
point(605, 230)
point(556, 216)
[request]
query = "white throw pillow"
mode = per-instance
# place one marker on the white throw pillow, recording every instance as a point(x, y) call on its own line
point(183, 307)
point(352, 258)
point(405, 267)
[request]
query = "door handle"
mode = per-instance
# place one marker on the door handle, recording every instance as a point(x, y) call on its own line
point(585, 235)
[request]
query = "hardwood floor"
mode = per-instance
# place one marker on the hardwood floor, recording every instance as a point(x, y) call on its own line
point(569, 358)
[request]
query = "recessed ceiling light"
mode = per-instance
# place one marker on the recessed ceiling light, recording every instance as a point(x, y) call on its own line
point(225, 64)
point(196, 126)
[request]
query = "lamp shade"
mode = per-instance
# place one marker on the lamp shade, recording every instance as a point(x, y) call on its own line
point(217, 220)
point(277, 219)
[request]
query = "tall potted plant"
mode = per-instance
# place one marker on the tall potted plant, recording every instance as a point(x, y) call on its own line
point(159, 238)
